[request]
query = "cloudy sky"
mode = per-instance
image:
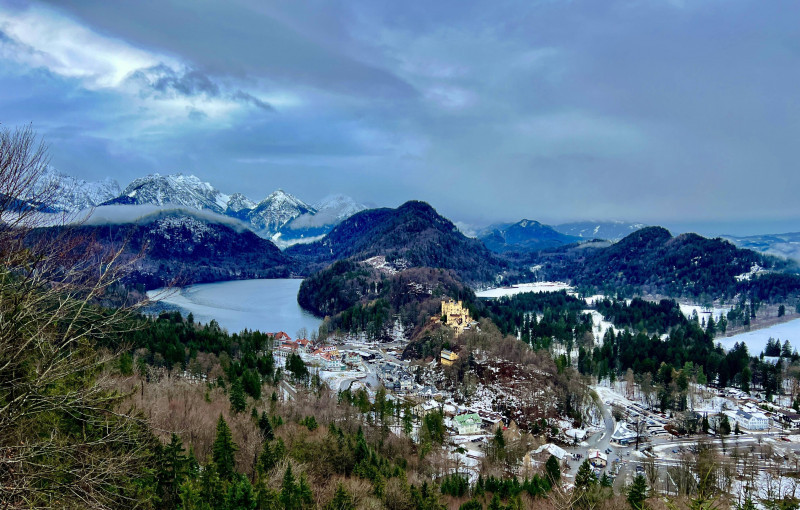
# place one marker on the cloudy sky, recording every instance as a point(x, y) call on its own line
point(678, 112)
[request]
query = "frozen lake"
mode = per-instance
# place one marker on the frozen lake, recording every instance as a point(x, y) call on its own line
point(266, 305)
point(757, 340)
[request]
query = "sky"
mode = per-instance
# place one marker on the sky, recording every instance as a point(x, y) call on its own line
point(673, 112)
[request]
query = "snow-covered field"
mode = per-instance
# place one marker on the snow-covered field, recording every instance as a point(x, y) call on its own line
point(703, 312)
point(265, 305)
point(600, 326)
point(756, 340)
point(523, 287)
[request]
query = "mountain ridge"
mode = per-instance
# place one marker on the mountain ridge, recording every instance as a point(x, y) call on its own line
point(523, 236)
point(413, 233)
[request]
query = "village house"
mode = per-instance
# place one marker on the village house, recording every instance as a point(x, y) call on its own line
point(423, 408)
point(597, 459)
point(467, 424)
point(448, 357)
point(789, 419)
point(303, 344)
point(281, 336)
point(286, 348)
point(546, 450)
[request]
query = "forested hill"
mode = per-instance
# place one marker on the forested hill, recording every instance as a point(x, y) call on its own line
point(413, 235)
point(652, 260)
point(523, 236)
point(184, 249)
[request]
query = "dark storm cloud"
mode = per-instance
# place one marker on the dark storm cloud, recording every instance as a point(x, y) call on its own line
point(249, 98)
point(163, 78)
point(646, 110)
point(167, 82)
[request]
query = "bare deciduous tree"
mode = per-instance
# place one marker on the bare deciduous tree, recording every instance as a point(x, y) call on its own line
point(63, 441)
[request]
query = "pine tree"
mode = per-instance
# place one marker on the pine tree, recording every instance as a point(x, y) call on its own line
point(747, 505)
point(499, 439)
point(171, 471)
point(553, 470)
point(192, 466)
point(584, 478)
point(472, 504)
point(711, 328)
point(240, 495)
point(295, 495)
point(266, 427)
point(212, 488)
point(605, 480)
point(305, 497)
point(270, 455)
point(637, 493)
point(237, 397)
point(408, 424)
point(724, 425)
point(342, 500)
point(223, 451)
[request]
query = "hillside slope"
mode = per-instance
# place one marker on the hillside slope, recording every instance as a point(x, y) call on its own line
point(183, 249)
point(413, 235)
point(652, 260)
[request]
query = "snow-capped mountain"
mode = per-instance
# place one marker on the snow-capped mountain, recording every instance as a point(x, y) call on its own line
point(238, 202)
point(608, 230)
point(239, 206)
point(309, 227)
point(71, 194)
point(331, 211)
point(278, 212)
point(275, 211)
point(177, 189)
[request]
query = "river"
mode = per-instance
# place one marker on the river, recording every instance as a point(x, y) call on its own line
point(264, 305)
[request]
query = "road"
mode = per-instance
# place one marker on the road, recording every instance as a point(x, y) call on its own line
point(599, 441)
point(668, 452)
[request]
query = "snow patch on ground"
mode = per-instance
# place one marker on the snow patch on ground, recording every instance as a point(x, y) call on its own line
point(703, 312)
point(524, 287)
point(600, 326)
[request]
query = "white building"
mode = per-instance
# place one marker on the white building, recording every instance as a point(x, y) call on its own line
point(749, 421)
point(554, 450)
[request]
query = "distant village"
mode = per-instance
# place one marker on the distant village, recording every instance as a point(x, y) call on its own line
point(637, 433)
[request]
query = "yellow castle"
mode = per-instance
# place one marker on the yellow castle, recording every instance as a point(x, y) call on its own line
point(456, 316)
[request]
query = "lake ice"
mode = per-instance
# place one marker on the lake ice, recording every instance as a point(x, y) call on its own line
point(756, 340)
